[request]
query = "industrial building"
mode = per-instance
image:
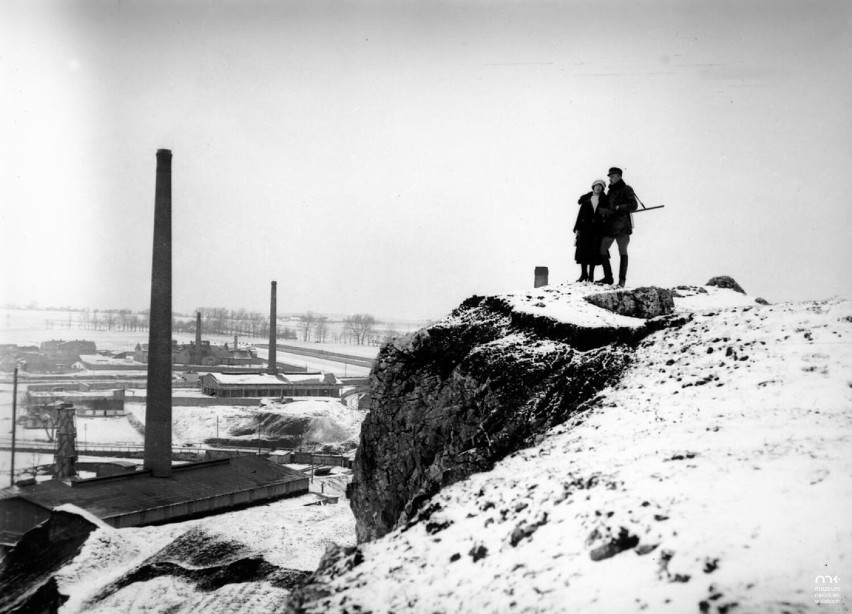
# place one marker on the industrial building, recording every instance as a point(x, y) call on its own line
point(137, 498)
point(163, 492)
point(271, 385)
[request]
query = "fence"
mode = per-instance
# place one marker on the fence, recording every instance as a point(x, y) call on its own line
point(306, 458)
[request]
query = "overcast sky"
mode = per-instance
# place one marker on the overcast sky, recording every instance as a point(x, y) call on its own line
point(396, 158)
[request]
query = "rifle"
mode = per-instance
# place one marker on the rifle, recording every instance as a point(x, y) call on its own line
point(644, 208)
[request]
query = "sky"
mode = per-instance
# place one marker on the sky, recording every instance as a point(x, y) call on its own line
point(395, 158)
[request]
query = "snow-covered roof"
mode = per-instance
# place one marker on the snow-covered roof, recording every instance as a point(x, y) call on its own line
point(266, 379)
point(254, 379)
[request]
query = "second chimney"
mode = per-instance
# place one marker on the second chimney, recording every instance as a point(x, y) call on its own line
point(197, 358)
point(273, 333)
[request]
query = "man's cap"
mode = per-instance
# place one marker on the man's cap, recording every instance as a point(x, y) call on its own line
point(613, 171)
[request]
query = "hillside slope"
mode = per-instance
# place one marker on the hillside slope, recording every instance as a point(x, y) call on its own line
point(712, 475)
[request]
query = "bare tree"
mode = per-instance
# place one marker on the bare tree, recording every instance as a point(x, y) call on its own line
point(306, 323)
point(359, 326)
point(46, 416)
point(321, 329)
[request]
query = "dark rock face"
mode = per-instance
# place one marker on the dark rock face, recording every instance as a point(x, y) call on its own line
point(723, 281)
point(453, 399)
point(26, 580)
point(639, 303)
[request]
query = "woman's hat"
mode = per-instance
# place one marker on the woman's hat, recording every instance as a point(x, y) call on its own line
point(599, 181)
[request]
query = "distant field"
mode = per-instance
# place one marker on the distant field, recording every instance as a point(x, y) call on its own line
point(32, 327)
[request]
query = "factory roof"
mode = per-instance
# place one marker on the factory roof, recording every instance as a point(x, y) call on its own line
point(266, 379)
point(114, 496)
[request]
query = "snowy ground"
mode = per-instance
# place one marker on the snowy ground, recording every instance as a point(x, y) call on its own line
point(331, 422)
point(310, 363)
point(286, 533)
point(31, 327)
point(715, 477)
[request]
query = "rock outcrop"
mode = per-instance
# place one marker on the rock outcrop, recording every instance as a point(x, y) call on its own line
point(639, 303)
point(26, 574)
point(724, 281)
point(452, 399)
point(660, 492)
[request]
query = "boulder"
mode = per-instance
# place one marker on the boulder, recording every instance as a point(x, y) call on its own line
point(723, 281)
point(646, 302)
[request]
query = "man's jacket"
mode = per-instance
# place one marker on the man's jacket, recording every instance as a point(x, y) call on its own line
point(622, 202)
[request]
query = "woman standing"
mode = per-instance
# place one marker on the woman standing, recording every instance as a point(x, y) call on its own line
point(589, 230)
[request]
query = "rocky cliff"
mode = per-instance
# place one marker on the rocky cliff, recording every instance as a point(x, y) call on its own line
point(543, 452)
point(452, 399)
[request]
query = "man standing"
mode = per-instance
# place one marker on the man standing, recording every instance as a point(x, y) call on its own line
point(619, 225)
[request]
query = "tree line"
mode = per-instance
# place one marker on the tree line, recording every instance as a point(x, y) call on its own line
point(357, 329)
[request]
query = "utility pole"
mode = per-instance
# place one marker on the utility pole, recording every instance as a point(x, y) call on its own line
point(14, 420)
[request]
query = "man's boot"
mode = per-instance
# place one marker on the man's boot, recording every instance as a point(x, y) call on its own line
point(622, 271)
point(607, 271)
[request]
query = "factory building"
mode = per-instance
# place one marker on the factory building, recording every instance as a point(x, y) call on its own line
point(268, 385)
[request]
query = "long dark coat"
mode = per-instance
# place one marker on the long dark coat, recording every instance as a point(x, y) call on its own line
point(590, 227)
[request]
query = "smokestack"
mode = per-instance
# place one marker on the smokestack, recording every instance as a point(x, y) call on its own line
point(197, 357)
point(541, 274)
point(273, 333)
point(158, 410)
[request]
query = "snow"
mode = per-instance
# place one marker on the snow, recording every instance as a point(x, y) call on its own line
point(106, 430)
point(724, 451)
point(287, 533)
point(564, 303)
point(312, 363)
point(73, 509)
point(196, 424)
point(703, 298)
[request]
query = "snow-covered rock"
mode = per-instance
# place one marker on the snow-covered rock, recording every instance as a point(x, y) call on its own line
point(713, 475)
point(452, 399)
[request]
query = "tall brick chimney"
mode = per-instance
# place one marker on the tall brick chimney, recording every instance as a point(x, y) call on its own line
point(158, 409)
point(273, 333)
point(197, 358)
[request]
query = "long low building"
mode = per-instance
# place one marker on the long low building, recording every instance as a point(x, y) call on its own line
point(137, 498)
point(267, 385)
